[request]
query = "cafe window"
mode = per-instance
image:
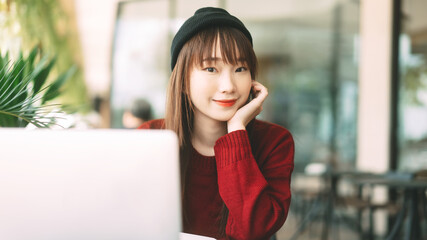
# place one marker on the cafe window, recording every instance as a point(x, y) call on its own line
point(412, 94)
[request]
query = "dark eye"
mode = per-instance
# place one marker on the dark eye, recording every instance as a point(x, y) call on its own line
point(210, 69)
point(241, 69)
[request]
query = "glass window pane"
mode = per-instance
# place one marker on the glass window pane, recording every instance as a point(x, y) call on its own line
point(140, 57)
point(413, 87)
point(308, 60)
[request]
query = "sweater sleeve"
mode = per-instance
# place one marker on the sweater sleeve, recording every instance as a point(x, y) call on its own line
point(257, 198)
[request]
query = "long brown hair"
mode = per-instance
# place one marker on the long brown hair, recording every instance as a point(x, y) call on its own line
point(235, 48)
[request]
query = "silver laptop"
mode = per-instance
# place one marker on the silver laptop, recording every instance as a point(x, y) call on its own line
point(91, 184)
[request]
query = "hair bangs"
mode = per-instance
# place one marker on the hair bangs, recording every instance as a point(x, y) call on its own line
point(234, 46)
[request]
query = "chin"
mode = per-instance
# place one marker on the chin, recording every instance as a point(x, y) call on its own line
point(225, 117)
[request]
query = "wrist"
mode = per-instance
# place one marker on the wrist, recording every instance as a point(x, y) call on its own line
point(231, 127)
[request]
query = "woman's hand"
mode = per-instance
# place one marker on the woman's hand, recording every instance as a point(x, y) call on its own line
point(249, 111)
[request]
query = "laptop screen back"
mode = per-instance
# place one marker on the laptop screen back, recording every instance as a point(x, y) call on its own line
point(93, 184)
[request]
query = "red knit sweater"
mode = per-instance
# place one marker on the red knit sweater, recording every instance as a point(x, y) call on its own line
point(250, 173)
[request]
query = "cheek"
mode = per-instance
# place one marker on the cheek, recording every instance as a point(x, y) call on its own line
point(199, 90)
point(245, 88)
point(194, 94)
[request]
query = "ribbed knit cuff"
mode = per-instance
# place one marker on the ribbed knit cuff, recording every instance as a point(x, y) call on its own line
point(232, 147)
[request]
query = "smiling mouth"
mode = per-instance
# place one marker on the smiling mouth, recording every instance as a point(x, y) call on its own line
point(225, 103)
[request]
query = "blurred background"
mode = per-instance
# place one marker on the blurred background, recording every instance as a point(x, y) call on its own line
point(348, 78)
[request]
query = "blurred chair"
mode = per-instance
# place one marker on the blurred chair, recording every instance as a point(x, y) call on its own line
point(361, 200)
point(310, 195)
point(408, 196)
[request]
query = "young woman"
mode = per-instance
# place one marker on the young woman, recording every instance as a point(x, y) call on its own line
point(235, 170)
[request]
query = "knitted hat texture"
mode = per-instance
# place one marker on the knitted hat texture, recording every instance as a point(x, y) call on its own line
point(202, 19)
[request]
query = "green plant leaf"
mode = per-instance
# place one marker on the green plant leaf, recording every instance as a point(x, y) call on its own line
point(13, 87)
point(30, 60)
point(54, 89)
point(33, 55)
point(40, 78)
point(5, 67)
point(17, 72)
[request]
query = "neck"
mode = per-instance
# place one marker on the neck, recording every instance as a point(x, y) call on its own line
point(205, 133)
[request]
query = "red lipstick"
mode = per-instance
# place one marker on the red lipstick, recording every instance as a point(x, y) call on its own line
point(225, 102)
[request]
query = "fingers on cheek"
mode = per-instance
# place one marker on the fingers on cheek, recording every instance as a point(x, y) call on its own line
point(257, 87)
point(265, 92)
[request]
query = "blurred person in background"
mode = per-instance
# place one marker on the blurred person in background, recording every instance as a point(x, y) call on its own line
point(139, 112)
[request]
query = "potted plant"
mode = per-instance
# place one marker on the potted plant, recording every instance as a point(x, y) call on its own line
point(25, 92)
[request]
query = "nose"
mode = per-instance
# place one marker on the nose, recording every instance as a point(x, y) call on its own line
point(226, 82)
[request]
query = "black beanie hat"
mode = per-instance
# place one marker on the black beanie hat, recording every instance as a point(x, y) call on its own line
point(202, 19)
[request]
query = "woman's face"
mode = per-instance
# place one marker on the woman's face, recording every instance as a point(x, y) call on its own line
point(219, 89)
